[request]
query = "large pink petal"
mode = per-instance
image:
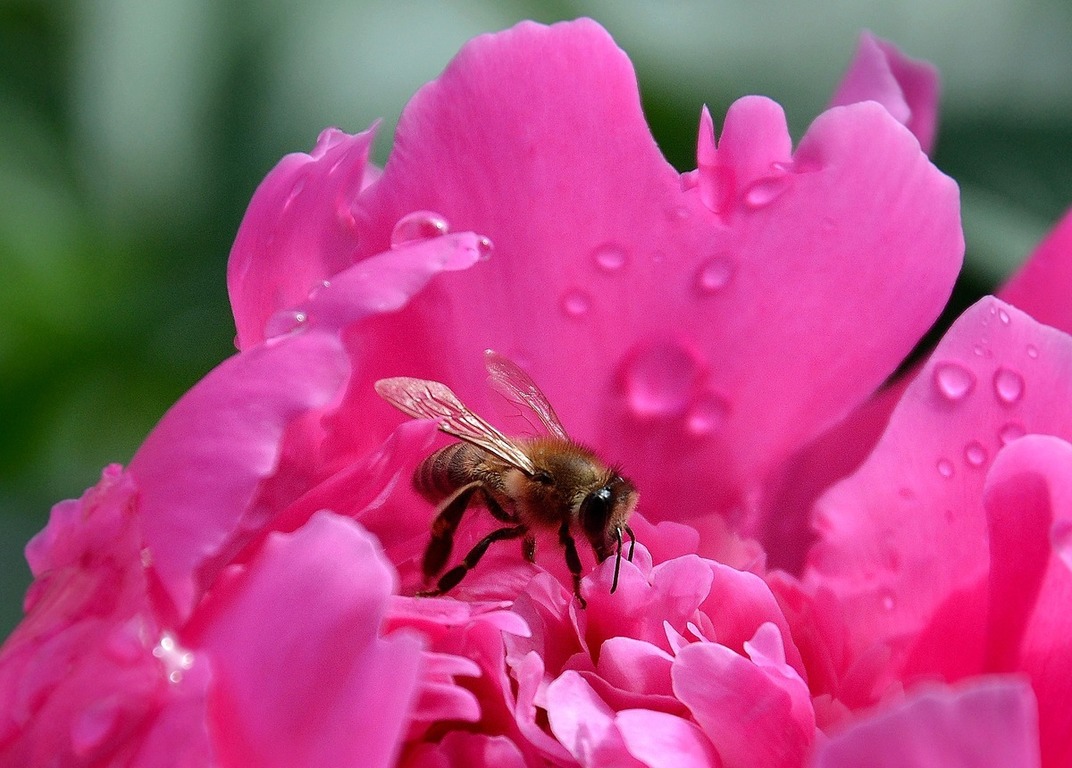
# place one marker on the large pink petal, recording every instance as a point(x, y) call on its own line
point(907, 87)
point(906, 533)
point(690, 329)
point(1029, 506)
point(297, 231)
point(1042, 285)
point(990, 723)
point(301, 675)
point(585, 724)
point(660, 740)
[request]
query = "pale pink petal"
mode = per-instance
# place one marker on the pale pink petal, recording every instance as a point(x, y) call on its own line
point(685, 324)
point(201, 469)
point(301, 675)
point(989, 723)
point(907, 87)
point(906, 533)
point(756, 715)
point(1041, 286)
point(1028, 497)
point(659, 740)
point(585, 724)
point(529, 674)
point(297, 231)
point(635, 665)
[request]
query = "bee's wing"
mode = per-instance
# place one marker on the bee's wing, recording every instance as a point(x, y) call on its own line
point(516, 385)
point(423, 399)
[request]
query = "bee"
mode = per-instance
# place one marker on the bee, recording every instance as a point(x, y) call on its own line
point(544, 483)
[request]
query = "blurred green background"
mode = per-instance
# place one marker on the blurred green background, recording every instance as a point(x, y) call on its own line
point(133, 133)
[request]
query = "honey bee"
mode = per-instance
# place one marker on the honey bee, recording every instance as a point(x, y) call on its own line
point(530, 484)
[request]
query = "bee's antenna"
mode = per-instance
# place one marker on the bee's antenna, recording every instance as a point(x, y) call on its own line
point(632, 542)
point(618, 559)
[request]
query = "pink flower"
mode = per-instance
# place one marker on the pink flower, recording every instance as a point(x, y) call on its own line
point(243, 593)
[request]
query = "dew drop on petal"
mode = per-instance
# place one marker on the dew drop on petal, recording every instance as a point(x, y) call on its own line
point(953, 381)
point(1061, 539)
point(576, 303)
point(714, 275)
point(658, 379)
point(945, 468)
point(1032, 351)
point(707, 414)
point(283, 322)
point(419, 225)
point(609, 257)
point(1013, 430)
point(975, 454)
point(1008, 385)
point(1003, 316)
point(887, 600)
point(484, 247)
point(765, 191)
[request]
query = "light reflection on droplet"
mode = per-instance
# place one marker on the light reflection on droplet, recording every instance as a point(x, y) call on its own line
point(1008, 385)
point(953, 380)
point(576, 303)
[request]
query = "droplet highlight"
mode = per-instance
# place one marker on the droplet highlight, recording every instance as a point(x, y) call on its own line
point(576, 303)
point(714, 275)
point(609, 257)
point(975, 454)
point(1008, 385)
point(765, 191)
point(419, 225)
point(659, 380)
point(945, 468)
point(953, 381)
point(707, 414)
point(284, 322)
point(1032, 351)
point(484, 248)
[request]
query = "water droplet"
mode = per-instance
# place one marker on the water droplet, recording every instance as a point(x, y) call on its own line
point(887, 600)
point(714, 275)
point(576, 303)
point(283, 322)
point(1008, 385)
point(609, 257)
point(323, 285)
point(419, 225)
point(94, 725)
point(1003, 316)
point(953, 381)
point(765, 191)
point(1061, 539)
point(707, 414)
point(1032, 351)
point(175, 658)
point(1013, 430)
point(659, 379)
point(975, 454)
point(945, 468)
point(484, 247)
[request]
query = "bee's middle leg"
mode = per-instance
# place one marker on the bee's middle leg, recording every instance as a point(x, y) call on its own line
point(450, 579)
point(573, 560)
point(446, 522)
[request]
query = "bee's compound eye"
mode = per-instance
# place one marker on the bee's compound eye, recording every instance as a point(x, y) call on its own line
point(595, 510)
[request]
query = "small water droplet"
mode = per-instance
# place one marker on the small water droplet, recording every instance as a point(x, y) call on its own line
point(1032, 351)
point(707, 414)
point(576, 303)
point(765, 191)
point(609, 257)
point(945, 468)
point(484, 247)
point(91, 727)
point(714, 275)
point(1008, 385)
point(659, 379)
point(953, 381)
point(975, 454)
point(283, 322)
point(887, 600)
point(1013, 430)
point(1003, 316)
point(319, 288)
point(1061, 539)
point(419, 225)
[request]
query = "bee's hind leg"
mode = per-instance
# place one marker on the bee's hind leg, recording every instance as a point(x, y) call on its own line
point(446, 522)
point(450, 579)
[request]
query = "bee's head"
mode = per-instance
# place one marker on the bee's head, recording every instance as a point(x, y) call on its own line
point(604, 514)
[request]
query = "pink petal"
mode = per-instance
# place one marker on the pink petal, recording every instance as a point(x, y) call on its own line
point(301, 675)
point(907, 87)
point(907, 533)
point(473, 750)
point(700, 368)
point(1041, 285)
point(289, 240)
point(585, 724)
point(988, 723)
point(1028, 497)
point(635, 665)
point(201, 468)
point(756, 715)
point(659, 740)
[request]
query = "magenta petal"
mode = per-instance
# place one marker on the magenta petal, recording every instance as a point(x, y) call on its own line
point(301, 676)
point(585, 724)
point(1041, 286)
point(990, 723)
point(200, 469)
point(660, 740)
point(1028, 498)
point(297, 231)
point(907, 87)
point(472, 750)
point(907, 533)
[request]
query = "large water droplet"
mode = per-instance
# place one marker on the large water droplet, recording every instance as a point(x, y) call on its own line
point(609, 257)
point(1013, 430)
point(659, 379)
point(576, 303)
point(419, 225)
point(953, 380)
point(283, 322)
point(707, 414)
point(765, 191)
point(975, 454)
point(1008, 385)
point(945, 468)
point(714, 275)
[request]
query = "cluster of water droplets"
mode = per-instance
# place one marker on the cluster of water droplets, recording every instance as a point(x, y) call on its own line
point(956, 382)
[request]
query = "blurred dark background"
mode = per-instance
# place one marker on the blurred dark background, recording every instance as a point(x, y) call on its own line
point(133, 133)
